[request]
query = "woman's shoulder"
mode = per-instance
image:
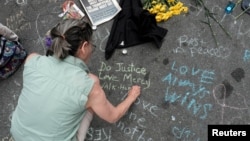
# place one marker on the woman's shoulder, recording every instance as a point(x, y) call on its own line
point(31, 55)
point(94, 77)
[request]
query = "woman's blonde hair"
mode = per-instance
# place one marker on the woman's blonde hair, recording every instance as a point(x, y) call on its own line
point(67, 36)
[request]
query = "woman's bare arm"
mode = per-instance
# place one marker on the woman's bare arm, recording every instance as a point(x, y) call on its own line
point(103, 108)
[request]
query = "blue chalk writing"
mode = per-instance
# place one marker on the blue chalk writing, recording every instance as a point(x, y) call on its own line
point(184, 134)
point(207, 77)
point(197, 109)
point(193, 92)
point(246, 57)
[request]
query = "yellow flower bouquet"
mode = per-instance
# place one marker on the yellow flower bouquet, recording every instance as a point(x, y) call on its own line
point(164, 9)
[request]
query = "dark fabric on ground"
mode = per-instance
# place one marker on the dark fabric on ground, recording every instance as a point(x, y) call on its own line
point(133, 26)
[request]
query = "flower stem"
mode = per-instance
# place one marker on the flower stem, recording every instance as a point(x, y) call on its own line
point(242, 12)
point(208, 15)
point(212, 31)
point(228, 34)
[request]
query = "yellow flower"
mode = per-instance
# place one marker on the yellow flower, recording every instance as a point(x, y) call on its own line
point(152, 11)
point(184, 9)
point(177, 12)
point(163, 8)
point(172, 8)
point(169, 13)
point(179, 4)
point(165, 17)
point(157, 6)
point(153, 2)
point(158, 18)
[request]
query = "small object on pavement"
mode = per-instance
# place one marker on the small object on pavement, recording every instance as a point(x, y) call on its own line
point(124, 51)
point(71, 10)
point(229, 8)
